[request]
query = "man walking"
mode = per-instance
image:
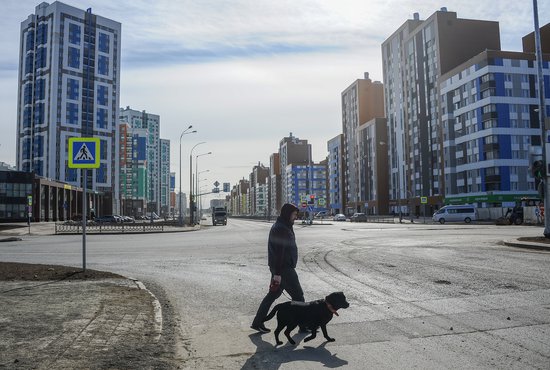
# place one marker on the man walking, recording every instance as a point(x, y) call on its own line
point(282, 257)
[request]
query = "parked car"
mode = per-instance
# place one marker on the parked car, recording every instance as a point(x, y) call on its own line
point(108, 219)
point(358, 217)
point(127, 219)
point(339, 217)
point(152, 215)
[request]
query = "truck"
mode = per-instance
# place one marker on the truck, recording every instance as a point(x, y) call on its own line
point(219, 216)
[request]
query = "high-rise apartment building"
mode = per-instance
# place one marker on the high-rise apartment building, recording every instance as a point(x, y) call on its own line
point(373, 167)
point(362, 101)
point(414, 58)
point(491, 128)
point(335, 167)
point(69, 86)
point(292, 151)
point(275, 203)
point(259, 190)
point(164, 183)
point(133, 170)
point(303, 181)
point(151, 123)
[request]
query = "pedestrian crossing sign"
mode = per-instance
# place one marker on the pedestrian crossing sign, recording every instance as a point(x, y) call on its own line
point(84, 152)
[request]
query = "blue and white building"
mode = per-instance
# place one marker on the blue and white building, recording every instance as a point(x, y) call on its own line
point(305, 180)
point(491, 128)
point(69, 86)
point(151, 124)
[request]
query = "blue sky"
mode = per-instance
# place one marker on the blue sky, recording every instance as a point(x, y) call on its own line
point(245, 73)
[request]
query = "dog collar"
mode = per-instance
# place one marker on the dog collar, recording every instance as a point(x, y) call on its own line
point(331, 309)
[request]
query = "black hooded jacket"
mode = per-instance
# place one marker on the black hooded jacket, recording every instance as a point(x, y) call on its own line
point(281, 246)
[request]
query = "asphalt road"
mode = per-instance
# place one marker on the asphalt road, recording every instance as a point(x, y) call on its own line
point(422, 295)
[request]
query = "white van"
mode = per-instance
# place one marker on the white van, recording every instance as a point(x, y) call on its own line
point(466, 213)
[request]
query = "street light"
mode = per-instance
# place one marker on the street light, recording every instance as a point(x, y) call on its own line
point(185, 132)
point(542, 119)
point(197, 169)
point(199, 193)
point(191, 213)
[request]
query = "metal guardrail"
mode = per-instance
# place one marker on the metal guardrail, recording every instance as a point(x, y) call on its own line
point(94, 228)
point(381, 219)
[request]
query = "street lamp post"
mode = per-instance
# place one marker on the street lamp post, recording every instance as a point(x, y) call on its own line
point(542, 120)
point(197, 169)
point(185, 132)
point(199, 194)
point(191, 203)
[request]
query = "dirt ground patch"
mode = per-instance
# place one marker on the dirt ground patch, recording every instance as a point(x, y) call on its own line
point(11, 271)
point(535, 239)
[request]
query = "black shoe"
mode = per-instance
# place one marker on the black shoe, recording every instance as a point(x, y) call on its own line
point(261, 328)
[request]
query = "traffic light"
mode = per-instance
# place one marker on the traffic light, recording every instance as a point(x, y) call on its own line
point(538, 169)
point(311, 199)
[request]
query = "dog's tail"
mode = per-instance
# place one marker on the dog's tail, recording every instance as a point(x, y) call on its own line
point(273, 312)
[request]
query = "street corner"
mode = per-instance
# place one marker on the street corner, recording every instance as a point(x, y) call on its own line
point(106, 321)
point(536, 243)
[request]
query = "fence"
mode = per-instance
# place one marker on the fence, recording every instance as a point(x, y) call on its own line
point(381, 219)
point(76, 228)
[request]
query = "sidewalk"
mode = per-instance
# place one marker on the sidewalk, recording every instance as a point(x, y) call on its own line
point(76, 322)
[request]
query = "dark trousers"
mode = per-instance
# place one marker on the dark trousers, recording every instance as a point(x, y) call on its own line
point(290, 283)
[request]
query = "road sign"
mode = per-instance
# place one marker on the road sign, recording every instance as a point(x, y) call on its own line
point(424, 200)
point(216, 184)
point(84, 152)
point(226, 187)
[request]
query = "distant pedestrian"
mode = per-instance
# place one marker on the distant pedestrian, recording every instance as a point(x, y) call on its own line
point(282, 257)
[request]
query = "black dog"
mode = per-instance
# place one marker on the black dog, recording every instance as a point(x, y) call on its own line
point(311, 315)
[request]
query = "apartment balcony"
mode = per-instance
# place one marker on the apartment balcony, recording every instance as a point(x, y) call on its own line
point(492, 179)
point(487, 85)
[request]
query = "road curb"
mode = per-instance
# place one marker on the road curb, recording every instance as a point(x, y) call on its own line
point(157, 309)
point(528, 245)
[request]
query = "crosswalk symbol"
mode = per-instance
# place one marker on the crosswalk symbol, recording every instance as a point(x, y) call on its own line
point(84, 152)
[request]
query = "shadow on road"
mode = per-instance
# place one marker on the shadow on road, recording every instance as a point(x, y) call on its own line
point(269, 357)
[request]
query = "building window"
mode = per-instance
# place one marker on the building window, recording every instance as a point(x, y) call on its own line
point(74, 57)
point(103, 149)
point(101, 173)
point(29, 63)
point(27, 94)
point(70, 174)
point(72, 89)
point(103, 42)
point(74, 34)
point(38, 146)
point(72, 113)
point(42, 34)
point(39, 114)
point(41, 55)
point(29, 44)
point(103, 65)
point(102, 118)
point(102, 95)
point(27, 117)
